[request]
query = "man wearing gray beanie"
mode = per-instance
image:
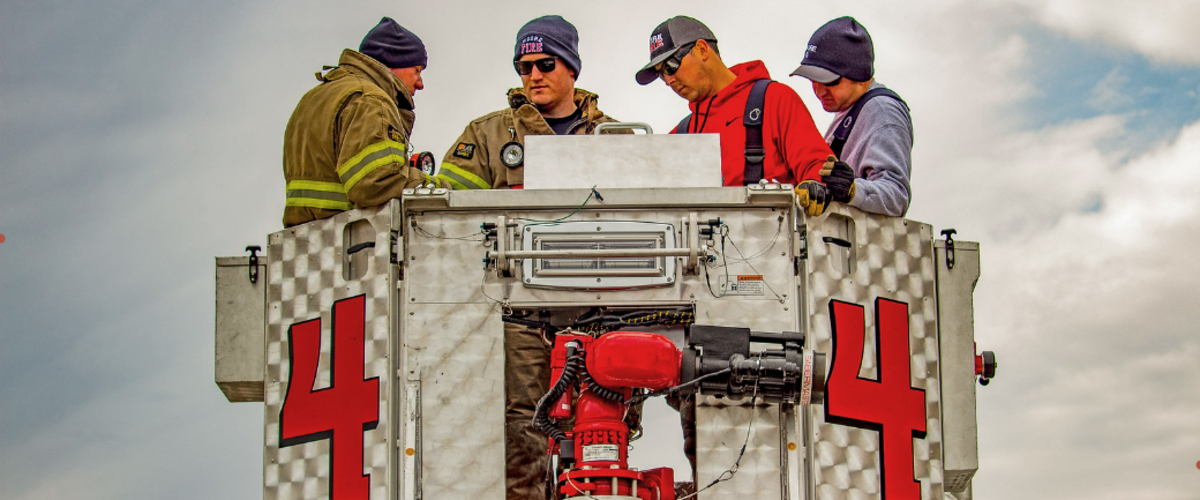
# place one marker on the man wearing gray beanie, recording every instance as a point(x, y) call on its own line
point(871, 138)
point(490, 154)
point(346, 145)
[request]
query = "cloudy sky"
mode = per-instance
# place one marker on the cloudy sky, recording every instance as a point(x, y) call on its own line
point(138, 139)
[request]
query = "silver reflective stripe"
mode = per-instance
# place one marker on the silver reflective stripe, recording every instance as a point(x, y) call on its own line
point(320, 195)
point(458, 180)
point(349, 173)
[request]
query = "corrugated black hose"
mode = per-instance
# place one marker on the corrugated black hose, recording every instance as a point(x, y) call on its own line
point(599, 390)
point(541, 416)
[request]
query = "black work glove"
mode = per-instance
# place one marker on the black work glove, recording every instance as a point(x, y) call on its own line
point(839, 177)
point(813, 197)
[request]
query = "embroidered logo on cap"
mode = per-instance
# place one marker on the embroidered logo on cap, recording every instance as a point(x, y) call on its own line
point(812, 49)
point(656, 42)
point(532, 44)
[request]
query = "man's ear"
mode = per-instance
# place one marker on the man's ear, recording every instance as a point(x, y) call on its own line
point(704, 51)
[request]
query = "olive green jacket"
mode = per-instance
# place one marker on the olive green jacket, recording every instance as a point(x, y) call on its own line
point(346, 144)
point(474, 162)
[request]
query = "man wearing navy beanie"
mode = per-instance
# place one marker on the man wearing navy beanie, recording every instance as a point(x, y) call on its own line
point(873, 138)
point(346, 145)
point(490, 154)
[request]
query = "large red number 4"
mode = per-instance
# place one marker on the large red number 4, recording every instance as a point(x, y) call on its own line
point(340, 413)
point(889, 405)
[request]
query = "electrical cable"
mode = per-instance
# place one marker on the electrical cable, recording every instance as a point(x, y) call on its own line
point(480, 236)
point(565, 217)
point(540, 325)
point(596, 388)
point(669, 390)
point(541, 418)
point(600, 321)
point(747, 262)
point(737, 463)
point(586, 493)
point(760, 253)
point(495, 301)
point(724, 231)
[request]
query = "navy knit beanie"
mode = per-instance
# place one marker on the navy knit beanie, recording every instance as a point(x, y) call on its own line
point(551, 35)
point(394, 46)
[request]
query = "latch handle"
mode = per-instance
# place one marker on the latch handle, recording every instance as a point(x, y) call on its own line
point(949, 234)
point(253, 270)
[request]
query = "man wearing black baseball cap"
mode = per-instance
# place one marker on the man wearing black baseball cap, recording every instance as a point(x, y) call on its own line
point(766, 131)
point(872, 137)
point(490, 153)
point(346, 144)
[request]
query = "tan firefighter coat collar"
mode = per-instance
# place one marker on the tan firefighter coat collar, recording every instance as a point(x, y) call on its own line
point(355, 63)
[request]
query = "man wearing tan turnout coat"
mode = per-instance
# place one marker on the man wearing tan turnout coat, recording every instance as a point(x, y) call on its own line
point(490, 155)
point(346, 144)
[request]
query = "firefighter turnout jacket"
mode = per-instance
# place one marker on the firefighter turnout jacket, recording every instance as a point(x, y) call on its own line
point(474, 162)
point(346, 144)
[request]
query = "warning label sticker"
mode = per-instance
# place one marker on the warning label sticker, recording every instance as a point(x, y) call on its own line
point(601, 453)
point(742, 284)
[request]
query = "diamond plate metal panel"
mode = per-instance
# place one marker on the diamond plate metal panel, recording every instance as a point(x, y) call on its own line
point(454, 357)
point(722, 427)
point(888, 258)
point(305, 279)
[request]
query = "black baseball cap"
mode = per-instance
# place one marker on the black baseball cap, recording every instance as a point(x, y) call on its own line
point(668, 37)
point(840, 48)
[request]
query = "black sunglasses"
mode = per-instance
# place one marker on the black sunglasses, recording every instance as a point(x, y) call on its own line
point(834, 83)
point(545, 65)
point(671, 65)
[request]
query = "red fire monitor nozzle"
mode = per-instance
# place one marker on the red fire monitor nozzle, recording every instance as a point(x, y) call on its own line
point(594, 451)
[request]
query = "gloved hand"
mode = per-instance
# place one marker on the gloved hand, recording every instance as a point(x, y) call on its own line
point(839, 178)
point(813, 197)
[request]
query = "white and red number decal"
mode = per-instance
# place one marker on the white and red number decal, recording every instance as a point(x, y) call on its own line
point(889, 405)
point(340, 413)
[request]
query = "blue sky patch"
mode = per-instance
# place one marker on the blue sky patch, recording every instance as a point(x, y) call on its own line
point(1077, 80)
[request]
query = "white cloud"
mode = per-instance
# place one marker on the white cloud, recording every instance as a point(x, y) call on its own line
point(1163, 30)
point(1091, 317)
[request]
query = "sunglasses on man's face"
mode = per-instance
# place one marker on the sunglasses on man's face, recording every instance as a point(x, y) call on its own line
point(545, 65)
point(671, 65)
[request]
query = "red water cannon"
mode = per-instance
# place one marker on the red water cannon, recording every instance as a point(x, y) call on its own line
point(593, 381)
point(607, 369)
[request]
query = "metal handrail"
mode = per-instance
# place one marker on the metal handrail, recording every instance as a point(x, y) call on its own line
point(623, 126)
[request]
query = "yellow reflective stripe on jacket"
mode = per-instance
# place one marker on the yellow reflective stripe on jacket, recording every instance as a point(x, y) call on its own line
point(369, 159)
point(317, 194)
point(460, 178)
